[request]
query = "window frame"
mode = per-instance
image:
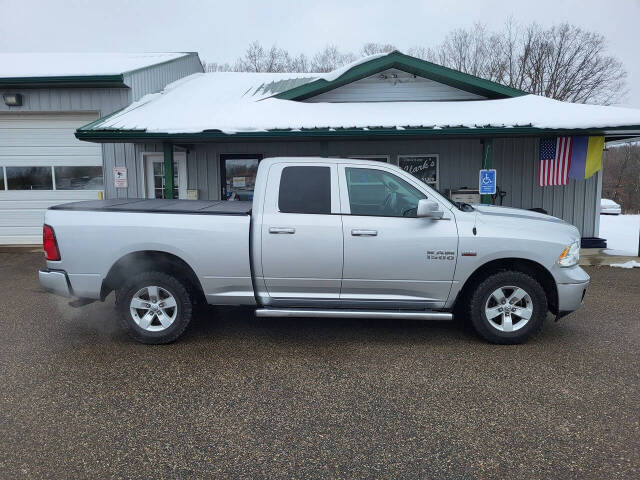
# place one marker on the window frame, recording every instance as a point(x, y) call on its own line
point(345, 205)
point(375, 158)
point(223, 157)
point(328, 171)
point(55, 179)
point(437, 157)
point(344, 187)
point(51, 171)
point(4, 183)
point(271, 195)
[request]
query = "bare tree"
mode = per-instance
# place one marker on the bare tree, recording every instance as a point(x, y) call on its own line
point(300, 64)
point(216, 67)
point(372, 48)
point(562, 62)
point(330, 58)
point(259, 59)
point(621, 176)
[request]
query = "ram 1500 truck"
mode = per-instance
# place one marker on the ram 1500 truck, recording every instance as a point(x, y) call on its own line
point(322, 238)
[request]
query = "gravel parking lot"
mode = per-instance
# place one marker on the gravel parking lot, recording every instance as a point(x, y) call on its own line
point(241, 397)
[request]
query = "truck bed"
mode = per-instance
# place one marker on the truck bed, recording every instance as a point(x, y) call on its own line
point(142, 205)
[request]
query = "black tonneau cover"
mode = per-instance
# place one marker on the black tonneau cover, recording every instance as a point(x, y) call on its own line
point(141, 205)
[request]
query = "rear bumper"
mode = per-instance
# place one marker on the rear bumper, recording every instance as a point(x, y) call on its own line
point(570, 296)
point(55, 281)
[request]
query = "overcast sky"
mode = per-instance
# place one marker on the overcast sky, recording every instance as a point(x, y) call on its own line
point(221, 30)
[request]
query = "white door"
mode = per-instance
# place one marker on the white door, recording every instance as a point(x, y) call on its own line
point(43, 164)
point(154, 174)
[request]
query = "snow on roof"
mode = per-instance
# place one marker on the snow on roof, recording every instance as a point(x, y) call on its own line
point(334, 74)
point(25, 65)
point(239, 102)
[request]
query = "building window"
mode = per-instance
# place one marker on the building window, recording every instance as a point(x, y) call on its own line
point(29, 178)
point(159, 179)
point(423, 167)
point(305, 190)
point(2, 187)
point(377, 158)
point(380, 193)
point(78, 178)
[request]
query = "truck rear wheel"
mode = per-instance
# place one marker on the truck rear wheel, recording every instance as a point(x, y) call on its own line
point(508, 307)
point(154, 307)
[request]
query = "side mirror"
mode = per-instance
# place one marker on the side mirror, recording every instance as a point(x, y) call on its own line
point(428, 209)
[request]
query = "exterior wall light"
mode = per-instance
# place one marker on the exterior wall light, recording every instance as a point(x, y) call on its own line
point(12, 99)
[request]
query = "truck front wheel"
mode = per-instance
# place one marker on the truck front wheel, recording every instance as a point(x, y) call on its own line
point(508, 307)
point(154, 307)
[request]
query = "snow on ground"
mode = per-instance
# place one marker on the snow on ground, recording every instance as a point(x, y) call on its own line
point(629, 264)
point(621, 232)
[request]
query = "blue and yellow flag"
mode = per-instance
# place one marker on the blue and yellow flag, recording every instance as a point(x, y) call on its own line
point(586, 156)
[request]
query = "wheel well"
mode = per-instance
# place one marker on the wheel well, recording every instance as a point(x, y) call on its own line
point(531, 268)
point(151, 260)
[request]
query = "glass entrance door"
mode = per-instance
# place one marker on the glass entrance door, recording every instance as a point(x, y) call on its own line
point(238, 176)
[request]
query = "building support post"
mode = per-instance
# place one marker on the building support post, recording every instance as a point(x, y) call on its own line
point(487, 163)
point(168, 170)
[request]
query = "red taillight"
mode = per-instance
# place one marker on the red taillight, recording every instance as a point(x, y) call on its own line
point(49, 243)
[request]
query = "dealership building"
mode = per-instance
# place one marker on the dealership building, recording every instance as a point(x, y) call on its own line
point(203, 135)
point(44, 98)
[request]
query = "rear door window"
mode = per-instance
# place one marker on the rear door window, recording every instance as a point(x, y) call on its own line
point(305, 190)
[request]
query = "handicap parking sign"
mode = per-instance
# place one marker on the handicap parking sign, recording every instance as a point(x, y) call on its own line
point(487, 182)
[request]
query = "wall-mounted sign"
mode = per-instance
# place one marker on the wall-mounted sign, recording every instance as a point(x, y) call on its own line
point(120, 177)
point(487, 182)
point(425, 167)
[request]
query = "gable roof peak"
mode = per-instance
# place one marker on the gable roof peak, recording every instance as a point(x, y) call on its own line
point(370, 65)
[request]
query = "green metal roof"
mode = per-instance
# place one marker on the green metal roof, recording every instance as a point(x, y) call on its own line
point(106, 81)
point(406, 63)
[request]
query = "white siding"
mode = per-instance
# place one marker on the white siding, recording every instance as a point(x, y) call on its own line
point(405, 87)
point(40, 140)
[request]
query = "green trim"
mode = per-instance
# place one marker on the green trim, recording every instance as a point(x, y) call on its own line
point(105, 81)
point(421, 68)
point(143, 136)
point(90, 126)
point(168, 170)
point(487, 162)
point(112, 81)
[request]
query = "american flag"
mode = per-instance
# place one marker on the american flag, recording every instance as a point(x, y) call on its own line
point(555, 160)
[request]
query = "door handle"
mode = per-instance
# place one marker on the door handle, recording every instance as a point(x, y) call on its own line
point(281, 230)
point(364, 233)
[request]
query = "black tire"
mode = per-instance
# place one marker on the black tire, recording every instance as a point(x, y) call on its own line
point(481, 294)
point(172, 285)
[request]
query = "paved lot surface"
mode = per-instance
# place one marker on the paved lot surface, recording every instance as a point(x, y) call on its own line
point(247, 398)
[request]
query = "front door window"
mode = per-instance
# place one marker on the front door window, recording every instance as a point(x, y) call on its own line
point(159, 180)
point(154, 174)
point(239, 176)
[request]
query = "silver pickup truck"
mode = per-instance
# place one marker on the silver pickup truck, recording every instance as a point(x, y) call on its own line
point(322, 238)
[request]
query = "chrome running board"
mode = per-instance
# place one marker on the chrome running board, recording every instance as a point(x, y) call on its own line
point(337, 313)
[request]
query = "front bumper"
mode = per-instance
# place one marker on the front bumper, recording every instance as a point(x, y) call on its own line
point(55, 281)
point(570, 296)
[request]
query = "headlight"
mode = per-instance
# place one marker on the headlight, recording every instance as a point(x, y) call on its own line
point(570, 255)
